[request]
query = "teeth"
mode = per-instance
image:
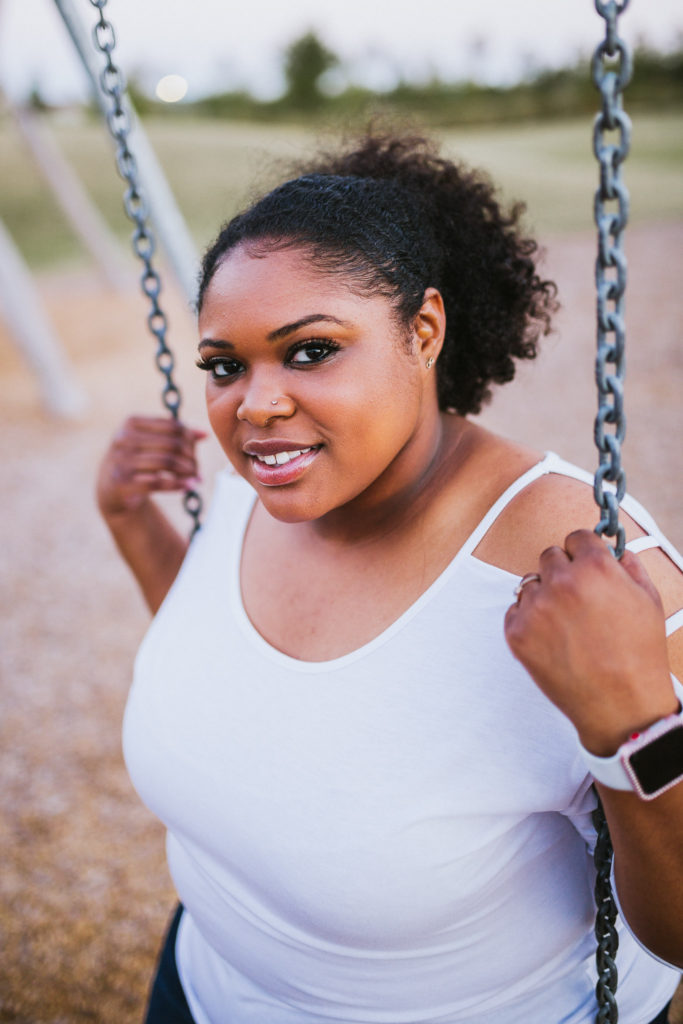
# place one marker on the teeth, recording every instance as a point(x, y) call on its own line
point(280, 458)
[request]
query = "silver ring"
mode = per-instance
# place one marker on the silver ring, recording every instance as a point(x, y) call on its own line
point(531, 577)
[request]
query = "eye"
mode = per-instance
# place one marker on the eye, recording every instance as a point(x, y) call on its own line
point(220, 368)
point(312, 351)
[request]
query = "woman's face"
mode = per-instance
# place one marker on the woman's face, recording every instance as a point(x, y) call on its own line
point(317, 396)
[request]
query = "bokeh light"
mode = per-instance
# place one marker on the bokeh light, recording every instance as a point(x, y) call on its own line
point(171, 88)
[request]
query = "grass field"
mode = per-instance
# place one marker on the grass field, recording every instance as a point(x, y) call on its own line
point(213, 167)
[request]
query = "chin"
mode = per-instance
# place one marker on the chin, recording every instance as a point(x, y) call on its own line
point(282, 504)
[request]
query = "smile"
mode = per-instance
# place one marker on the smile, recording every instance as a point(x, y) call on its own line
point(281, 458)
point(283, 467)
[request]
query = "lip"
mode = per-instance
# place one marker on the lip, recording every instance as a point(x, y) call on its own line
point(277, 476)
point(274, 445)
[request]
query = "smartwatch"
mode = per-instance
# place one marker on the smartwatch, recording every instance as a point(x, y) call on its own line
point(648, 763)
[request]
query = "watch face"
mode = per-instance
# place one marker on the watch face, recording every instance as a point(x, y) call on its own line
point(660, 763)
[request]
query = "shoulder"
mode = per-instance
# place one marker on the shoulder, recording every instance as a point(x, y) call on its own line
point(541, 515)
point(552, 506)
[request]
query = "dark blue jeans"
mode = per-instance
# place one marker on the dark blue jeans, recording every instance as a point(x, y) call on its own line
point(167, 1002)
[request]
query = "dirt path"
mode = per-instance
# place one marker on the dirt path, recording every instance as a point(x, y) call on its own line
point(84, 891)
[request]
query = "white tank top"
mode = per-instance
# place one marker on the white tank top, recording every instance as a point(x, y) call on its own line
point(401, 834)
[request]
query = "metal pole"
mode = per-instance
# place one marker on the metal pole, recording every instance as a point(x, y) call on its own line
point(167, 219)
point(30, 328)
point(84, 217)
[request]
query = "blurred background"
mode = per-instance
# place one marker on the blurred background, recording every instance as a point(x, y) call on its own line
point(228, 99)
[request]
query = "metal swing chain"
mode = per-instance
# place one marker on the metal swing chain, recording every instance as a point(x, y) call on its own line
point(605, 924)
point(144, 245)
point(611, 70)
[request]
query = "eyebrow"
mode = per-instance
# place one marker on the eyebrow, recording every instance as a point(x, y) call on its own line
point(215, 343)
point(312, 318)
point(281, 332)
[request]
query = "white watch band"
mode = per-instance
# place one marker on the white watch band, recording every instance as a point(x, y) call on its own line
point(613, 771)
point(609, 771)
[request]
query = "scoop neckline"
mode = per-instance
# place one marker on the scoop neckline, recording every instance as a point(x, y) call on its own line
point(332, 664)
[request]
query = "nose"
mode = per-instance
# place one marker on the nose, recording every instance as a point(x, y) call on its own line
point(262, 403)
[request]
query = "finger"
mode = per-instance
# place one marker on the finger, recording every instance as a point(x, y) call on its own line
point(585, 544)
point(513, 627)
point(528, 581)
point(161, 480)
point(160, 424)
point(509, 620)
point(633, 566)
point(136, 437)
point(552, 560)
point(122, 478)
point(135, 444)
point(158, 461)
point(161, 427)
point(139, 489)
point(148, 466)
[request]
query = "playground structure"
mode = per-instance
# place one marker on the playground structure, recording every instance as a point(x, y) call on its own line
point(20, 303)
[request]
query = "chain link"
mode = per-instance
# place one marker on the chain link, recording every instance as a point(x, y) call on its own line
point(611, 70)
point(119, 123)
point(605, 918)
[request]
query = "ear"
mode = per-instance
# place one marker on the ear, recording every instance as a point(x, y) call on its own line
point(429, 326)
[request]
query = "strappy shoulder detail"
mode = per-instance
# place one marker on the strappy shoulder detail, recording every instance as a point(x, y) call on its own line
point(538, 470)
point(674, 622)
point(639, 544)
point(654, 538)
point(552, 463)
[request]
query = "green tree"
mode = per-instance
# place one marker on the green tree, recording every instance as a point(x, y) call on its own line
point(35, 99)
point(306, 60)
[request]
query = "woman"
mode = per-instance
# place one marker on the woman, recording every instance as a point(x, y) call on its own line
point(375, 812)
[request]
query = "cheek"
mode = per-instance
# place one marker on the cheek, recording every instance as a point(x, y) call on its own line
point(380, 417)
point(222, 408)
point(390, 398)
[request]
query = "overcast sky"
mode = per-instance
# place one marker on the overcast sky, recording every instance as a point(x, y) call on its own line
point(218, 44)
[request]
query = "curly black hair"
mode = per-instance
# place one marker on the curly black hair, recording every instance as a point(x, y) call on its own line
point(396, 218)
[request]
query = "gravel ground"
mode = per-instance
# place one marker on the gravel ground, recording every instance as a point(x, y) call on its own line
point(84, 891)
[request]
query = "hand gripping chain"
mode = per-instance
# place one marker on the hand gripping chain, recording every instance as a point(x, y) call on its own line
point(611, 70)
point(119, 124)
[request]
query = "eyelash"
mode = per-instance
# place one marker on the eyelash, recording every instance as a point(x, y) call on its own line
point(210, 365)
point(326, 344)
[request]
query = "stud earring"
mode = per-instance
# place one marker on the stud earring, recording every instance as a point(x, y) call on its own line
point(430, 362)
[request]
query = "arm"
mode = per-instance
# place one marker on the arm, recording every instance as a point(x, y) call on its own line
point(148, 455)
point(591, 634)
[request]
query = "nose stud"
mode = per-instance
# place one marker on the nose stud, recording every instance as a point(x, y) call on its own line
point(273, 401)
